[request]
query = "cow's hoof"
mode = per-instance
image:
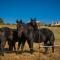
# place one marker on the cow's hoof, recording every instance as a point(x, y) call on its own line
point(45, 53)
point(2, 54)
point(31, 52)
point(53, 51)
point(16, 53)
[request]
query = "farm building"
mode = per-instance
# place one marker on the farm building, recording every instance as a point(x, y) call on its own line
point(56, 24)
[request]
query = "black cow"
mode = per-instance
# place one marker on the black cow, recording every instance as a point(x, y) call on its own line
point(33, 34)
point(10, 36)
point(43, 35)
point(2, 42)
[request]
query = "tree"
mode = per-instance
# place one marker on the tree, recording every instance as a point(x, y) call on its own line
point(1, 21)
point(49, 25)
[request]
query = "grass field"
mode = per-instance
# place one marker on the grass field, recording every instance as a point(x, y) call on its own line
point(38, 54)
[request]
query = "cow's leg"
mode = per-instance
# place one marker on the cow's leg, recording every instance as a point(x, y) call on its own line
point(2, 49)
point(14, 45)
point(31, 49)
point(30, 43)
point(0, 46)
point(52, 44)
point(53, 49)
point(46, 48)
point(23, 43)
point(10, 46)
point(19, 43)
point(9, 43)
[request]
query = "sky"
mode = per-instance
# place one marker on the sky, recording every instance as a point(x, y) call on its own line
point(43, 10)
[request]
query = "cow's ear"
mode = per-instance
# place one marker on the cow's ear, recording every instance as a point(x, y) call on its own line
point(21, 21)
point(31, 19)
point(17, 21)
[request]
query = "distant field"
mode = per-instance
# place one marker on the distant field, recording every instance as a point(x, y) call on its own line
point(36, 55)
point(10, 26)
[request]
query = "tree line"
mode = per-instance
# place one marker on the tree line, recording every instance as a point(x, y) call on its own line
point(2, 22)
